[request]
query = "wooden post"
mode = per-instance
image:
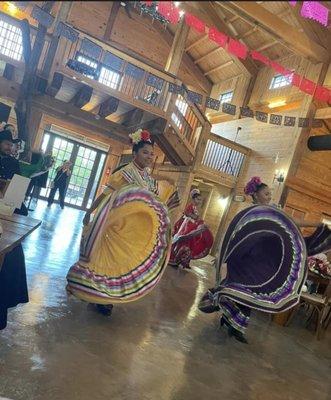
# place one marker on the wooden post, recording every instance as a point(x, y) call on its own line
point(177, 49)
point(308, 109)
point(34, 125)
point(53, 47)
point(31, 58)
point(116, 5)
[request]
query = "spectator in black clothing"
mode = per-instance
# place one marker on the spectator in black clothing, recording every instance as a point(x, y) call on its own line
point(13, 286)
point(60, 183)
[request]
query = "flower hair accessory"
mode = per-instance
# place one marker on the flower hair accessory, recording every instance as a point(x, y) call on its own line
point(252, 185)
point(140, 136)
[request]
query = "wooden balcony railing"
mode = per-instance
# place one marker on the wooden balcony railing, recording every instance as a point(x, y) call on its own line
point(222, 156)
point(115, 73)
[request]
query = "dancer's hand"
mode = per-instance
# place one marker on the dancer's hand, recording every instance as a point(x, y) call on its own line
point(86, 219)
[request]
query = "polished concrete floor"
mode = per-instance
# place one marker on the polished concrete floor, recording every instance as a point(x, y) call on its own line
point(159, 348)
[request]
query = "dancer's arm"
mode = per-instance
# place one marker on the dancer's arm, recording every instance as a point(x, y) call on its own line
point(93, 207)
point(306, 224)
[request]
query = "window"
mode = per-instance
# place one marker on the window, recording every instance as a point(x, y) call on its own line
point(10, 41)
point(279, 81)
point(88, 61)
point(109, 78)
point(182, 106)
point(226, 97)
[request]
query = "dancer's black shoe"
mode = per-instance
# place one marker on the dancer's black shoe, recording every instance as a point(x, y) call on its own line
point(237, 335)
point(232, 331)
point(105, 309)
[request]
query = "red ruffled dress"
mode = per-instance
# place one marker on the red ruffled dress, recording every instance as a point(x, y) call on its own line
point(191, 240)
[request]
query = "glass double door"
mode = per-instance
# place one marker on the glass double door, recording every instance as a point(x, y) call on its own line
point(88, 164)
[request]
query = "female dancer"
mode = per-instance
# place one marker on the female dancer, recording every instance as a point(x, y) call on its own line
point(192, 239)
point(125, 248)
point(265, 257)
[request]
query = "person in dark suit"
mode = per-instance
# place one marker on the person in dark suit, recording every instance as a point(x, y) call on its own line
point(13, 285)
point(60, 183)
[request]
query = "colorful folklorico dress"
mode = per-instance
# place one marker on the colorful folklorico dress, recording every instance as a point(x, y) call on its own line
point(124, 250)
point(192, 239)
point(266, 258)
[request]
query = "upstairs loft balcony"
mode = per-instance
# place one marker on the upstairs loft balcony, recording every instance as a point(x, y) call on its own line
point(110, 86)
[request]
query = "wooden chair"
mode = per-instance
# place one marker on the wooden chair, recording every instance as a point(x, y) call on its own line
point(320, 305)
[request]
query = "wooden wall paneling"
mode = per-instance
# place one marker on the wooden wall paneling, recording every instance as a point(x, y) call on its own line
point(215, 210)
point(90, 16)
point(262, 94)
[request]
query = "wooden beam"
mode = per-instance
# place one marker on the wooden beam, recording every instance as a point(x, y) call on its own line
point(278, 28)
point(196, 43)
point(155, 126)
point(208, 55)
point(82, 97)
point(55, 85)
point(68, 112)
point(62, 15)
point(248, 33)
point(116, 5)
point(219, 67)
point(207, 11)
point(267, 45)
point(311, 29)
point(131, 118)
point(323, 113)
point(204, 83)
point(177, 49)
point(108, 107)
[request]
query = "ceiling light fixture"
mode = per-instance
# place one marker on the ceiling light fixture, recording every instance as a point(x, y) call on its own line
point(277, 103)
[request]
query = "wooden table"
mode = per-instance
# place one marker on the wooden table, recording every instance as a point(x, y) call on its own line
point(15, 229)
point(282, 318)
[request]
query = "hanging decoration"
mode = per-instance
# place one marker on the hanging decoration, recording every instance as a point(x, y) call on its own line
point(195, 23)
point(66, 31)
point(260, 57)
point(316, 11)
point(169, 11)
point(275, 119)
point(246, 112)
point(261, 116)
point(155, 81)
point(194, 97)
point(229, 108)
point(217, 37)
point(289, 121)
point(134, 72)
point(150, 8)
point(42, 16)
point(303, 122)
point(322, 94)
point(213, 104)
point(307, 86)
point(237, 48)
